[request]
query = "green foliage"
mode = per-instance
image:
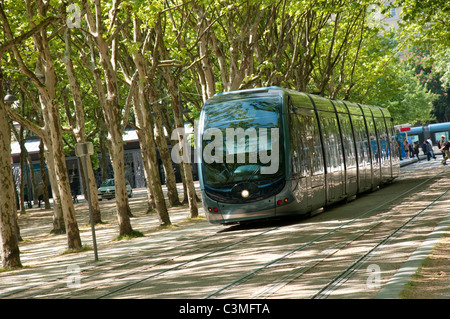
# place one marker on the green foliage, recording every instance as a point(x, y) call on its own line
point(332, 47)
point(434, 79)
point(426, 22)
point(413, 102)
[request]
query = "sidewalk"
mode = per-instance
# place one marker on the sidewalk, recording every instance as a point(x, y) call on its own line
point(407, 161)
point(44, 261)
point(43, 255)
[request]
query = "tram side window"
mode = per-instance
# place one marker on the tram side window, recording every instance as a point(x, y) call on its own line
point(361, 140)
point(331, 141)
point(297, 147)
point(373, 139)
point(312, 151)
point(382, 135)
point(437, 136)
point(347, 138)
point(393, 139)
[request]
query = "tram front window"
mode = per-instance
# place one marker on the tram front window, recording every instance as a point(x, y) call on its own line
point(241, 146)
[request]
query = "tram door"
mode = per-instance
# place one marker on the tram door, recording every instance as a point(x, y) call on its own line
point(350, 154)
point(375, 152)
point(307, 160)
point(385, 161)
point(363, 153)
point(332, 145)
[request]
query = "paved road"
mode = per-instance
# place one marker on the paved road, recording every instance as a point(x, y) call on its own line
point(348, 251)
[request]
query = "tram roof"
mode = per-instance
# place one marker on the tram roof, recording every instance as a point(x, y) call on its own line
point(322, 103)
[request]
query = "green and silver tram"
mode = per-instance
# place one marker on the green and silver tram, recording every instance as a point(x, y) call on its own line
point(272, 152)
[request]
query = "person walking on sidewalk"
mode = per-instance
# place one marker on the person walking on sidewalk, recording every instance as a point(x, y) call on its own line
point(445, 150)
point(441, 143)
point(416, 149)
point(426, 149)
point(431, 148)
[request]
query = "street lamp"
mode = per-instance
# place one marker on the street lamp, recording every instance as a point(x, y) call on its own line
point(10, 98)
point(83, 150)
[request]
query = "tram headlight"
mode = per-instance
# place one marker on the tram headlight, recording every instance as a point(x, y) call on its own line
point(245, 193)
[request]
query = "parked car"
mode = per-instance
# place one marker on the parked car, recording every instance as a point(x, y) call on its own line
point(107, 189)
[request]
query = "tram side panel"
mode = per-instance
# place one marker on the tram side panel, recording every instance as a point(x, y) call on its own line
point(383, 150)
point(374, 150)
point(364, 159)
point(305, 159)
point(335, 189)
point(300, 170)
point(395, 151)
point(349, 150)
point(335, 181)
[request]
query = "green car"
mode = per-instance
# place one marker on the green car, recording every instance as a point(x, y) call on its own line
point(107, 189)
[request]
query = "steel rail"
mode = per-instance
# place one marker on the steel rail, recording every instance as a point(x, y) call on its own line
point(338, 280)
point(317, 239)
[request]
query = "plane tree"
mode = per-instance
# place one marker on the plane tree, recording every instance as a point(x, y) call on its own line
point(40, 70)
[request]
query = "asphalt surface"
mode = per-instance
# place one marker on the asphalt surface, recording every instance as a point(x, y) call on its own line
point(44, 262)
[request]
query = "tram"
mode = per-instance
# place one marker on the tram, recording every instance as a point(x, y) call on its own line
point(433, 131)
point(271, 152)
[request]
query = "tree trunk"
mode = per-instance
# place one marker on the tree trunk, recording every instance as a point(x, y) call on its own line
point(178, 116)
point(72, 231)
point(146, 123)
point(8, 237)
point(44, 175)
point(111, 110)
point(59, 226)
point(149, 149)
point(117, 159)
point(80, 129)
point(192, 198)
point(164, 153)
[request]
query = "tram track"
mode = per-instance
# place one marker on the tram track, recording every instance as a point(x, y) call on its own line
point(176, 257)
point(300, 267)
point(131, 267)
point(117, 292)
point(182, 264)
point(275, 261)
point(337, 281)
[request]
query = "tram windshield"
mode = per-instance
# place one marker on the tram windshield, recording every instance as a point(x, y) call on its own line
point(241, 142)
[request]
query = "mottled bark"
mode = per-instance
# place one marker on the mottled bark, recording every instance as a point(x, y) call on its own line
point(111, 108)
point(8, 238)
point(79, 127)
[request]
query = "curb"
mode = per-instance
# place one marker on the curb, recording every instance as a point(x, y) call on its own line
point(397, 283)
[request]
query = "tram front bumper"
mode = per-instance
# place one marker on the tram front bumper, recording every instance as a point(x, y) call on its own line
point(231, 213)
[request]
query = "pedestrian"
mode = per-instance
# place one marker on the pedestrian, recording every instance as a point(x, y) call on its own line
point(425, 149)
point(406, 147)
point(40, 193)
point(431, 148)
point(411, 148)
point(441, 143)
point(26, 195)
point(416, 149)
point(445, 150)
